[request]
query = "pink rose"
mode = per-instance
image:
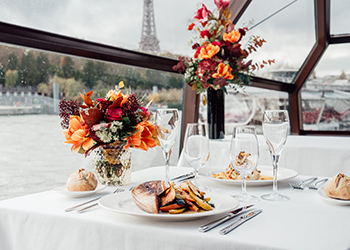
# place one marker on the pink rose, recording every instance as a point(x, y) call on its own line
point(203, 15)
point(114, 114)
point(222, 4)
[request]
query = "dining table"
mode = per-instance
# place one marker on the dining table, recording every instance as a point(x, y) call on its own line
point(308, 220)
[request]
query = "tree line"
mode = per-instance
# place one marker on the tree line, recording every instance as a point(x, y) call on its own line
point(38, 72)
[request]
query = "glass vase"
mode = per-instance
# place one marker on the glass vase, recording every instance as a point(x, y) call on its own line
point(112, 165)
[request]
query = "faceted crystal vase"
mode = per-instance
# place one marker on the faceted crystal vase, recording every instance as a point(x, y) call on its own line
point(112, 165)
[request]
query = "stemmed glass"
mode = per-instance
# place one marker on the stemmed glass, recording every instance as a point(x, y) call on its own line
point(244, 154)
point(196, 148)
point(275, 127)
point(167, 126)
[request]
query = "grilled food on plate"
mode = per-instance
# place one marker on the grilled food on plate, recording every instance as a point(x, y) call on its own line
point(231, 174)
point(154, 197)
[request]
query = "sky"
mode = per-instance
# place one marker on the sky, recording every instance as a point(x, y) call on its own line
point(289, 34)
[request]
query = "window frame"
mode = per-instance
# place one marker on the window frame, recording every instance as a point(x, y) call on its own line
point(37, 39)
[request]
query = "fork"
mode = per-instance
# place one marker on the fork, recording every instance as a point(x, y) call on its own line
point(118, 190)
point(299, 185)
point(314, 185)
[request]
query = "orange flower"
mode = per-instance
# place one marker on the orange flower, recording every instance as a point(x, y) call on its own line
point(113, 95)
point(76, 134)
point(145, 137)
point(233, 36)
point(209, 51)
point(223, 71)
point(190, 27)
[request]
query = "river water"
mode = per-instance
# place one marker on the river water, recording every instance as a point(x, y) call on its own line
point(33, 157)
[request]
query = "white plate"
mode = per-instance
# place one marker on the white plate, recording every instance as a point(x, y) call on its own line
point(282, 174)
point(323, 195)
point(124, 203)
point(77, 194)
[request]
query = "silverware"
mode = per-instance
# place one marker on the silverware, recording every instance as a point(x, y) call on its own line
point(183, 177)
point(227, 217)
point(241, 220)
point(87, 202)
point(118, 190)
point(299, 185)
point(314, 186)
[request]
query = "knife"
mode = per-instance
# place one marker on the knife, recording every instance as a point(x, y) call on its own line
point(184, 176)
point(227, 217)
point(241, 220)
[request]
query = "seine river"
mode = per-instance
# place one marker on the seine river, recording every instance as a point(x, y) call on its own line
point(33, 157)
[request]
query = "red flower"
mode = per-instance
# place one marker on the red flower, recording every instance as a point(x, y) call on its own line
point(198, 51)
point(114, 114)
point(203, 15)
point(215, 43)
point(222, 4)
point(195, 46)
point(205, 33)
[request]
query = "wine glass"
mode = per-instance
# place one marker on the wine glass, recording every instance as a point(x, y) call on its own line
point(244, 154)
point(167, 126)
point(275, 127)
point(196, 148)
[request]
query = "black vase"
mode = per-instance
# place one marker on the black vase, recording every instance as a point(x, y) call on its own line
point(216, 113)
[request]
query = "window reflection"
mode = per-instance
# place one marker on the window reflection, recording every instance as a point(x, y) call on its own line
point(289, 39)
point(247, 107)
point(326, 94)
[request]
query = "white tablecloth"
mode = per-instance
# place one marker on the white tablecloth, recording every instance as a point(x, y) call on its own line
point(308, 155)
point(38, 221)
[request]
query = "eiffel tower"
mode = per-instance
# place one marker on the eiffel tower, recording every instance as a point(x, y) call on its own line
point(149, 41)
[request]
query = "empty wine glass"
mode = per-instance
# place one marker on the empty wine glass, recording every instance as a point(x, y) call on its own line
point(167, 126)
point(275, 127)
point(244, 154)
point(196, 148)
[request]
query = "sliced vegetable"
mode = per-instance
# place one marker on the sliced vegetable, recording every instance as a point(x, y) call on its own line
point(177, 210)
point(187, 196)
point(192, 206)
point(201, 203)
point(170, 207)
point(168, 196)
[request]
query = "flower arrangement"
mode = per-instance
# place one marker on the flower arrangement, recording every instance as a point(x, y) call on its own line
point(219, 59)
point(116, 117)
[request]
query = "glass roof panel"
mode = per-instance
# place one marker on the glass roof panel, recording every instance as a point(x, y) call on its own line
point(326, 95)
point(340, 18)
point(289, 29)
point(116, 23)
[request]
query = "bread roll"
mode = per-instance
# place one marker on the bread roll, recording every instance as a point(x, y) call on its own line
point(338, 187)
point(81, 180)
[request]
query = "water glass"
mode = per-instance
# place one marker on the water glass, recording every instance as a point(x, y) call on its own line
point(196, 148)
point(167, 126)
point(275, 127)
point(244, 155)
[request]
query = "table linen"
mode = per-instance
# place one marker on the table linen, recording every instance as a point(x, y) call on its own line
point(38, 221)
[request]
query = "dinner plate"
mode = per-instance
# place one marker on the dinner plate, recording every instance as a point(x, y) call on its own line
point(77, 194)
point(282, 174)
point(124, 203)
point(333, 201)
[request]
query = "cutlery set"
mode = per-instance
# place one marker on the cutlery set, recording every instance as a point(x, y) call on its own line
point(118, 190)
point(242, 218)
point(310, 183)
